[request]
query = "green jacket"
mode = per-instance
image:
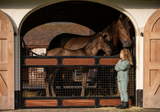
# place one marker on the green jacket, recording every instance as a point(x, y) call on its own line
point(122, 68)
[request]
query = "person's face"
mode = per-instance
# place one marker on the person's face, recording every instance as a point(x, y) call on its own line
point(121, 55)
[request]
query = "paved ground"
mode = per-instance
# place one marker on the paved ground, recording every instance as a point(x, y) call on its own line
point(102, 109)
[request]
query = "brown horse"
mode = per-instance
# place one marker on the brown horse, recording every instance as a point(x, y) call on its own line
point(90, 49)
point(117, 31)
point(73, 41)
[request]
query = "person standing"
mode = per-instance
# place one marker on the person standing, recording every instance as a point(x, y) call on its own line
point(122, 68)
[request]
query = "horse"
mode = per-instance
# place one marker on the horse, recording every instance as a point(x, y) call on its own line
point(116, 33)
point(90, 49)
point(119, 32)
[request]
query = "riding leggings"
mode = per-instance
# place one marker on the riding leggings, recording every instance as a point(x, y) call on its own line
point(122, 85)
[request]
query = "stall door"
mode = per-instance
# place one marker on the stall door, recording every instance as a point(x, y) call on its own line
point(151, 76)
point(6, 63)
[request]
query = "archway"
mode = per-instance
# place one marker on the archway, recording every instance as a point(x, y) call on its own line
point(93, 15)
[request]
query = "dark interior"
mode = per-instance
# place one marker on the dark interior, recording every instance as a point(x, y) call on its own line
point(92, 15)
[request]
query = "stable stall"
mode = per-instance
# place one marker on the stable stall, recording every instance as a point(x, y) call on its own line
point(71, 81)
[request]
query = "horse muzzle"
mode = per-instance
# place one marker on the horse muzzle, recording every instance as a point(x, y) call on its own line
point(127, 43)
point(109, 52)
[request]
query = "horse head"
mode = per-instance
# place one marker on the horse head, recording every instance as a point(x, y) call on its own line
point(104, 45)
point(120, 30)
point(123, 29)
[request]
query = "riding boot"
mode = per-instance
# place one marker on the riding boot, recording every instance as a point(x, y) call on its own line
point(120, 105)
point(125, 105)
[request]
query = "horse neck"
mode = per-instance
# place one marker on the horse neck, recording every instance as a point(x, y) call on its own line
point(112, 32)
point(92, 48)
point(94, 36)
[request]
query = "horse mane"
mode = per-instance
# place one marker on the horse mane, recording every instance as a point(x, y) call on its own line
point(90, 41)
point(125, 24)
point(110, 30)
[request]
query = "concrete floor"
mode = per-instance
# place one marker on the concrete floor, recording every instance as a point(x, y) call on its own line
point(102, 109)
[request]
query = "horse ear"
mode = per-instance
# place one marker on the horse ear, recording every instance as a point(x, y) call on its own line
point(127, 19)
point(120, 17)
point(108, 38)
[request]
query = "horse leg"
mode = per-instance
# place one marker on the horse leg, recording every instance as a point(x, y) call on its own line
point(84, 80)
point(47, 84)
point(47, 89)
point(52, 88)
point(52, 82)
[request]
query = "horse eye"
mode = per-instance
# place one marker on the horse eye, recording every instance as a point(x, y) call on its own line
point(121, 27)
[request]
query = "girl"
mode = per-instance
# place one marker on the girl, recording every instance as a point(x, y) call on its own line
point(122, 68)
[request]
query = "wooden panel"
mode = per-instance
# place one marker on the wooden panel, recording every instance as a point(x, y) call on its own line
point(3, 35)
point(3, 83)
point(109, 61)
point(155, 86)
point(155, 54)
point(156, 25)
point(152, 54)
point(153, 65)
point(151, 75)
point(3, 66)
point(78, 102)
point(4, 51)
point(158, 91)
point(79, 61)
point(112, 102)
point(0, 51)
point(41, 61)
point(155, 35)
point(40, 103)
point(0, 25)
point(6, 63)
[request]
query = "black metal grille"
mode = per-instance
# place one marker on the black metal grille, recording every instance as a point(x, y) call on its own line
point(100, 81)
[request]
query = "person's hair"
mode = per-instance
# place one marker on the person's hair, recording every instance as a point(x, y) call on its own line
point(127, 55)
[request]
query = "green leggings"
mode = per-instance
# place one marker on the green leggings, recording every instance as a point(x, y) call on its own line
point(123, 90)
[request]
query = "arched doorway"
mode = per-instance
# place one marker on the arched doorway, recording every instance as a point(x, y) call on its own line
point(93, 15)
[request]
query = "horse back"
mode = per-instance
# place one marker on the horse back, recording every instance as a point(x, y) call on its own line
point(69, 41)
point(76, 43)
point(60, 40)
